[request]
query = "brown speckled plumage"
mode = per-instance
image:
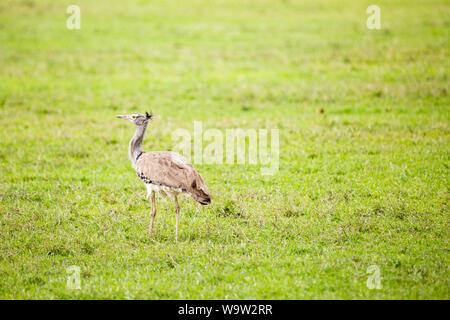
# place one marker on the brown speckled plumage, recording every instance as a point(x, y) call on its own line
point(172, 170)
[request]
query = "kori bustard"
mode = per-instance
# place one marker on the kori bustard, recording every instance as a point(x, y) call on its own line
point(165, 172)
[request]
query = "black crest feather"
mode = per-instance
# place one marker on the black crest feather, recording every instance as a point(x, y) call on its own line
point(149, 115)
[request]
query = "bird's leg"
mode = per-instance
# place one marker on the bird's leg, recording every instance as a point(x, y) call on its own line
point(150, 228)
point(177, 216)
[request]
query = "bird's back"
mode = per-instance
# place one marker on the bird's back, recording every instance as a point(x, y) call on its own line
point(170, 169)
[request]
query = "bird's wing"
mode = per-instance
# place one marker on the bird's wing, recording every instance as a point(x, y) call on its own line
point(172, 170)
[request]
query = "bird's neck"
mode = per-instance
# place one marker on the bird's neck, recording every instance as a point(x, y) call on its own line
point(135, 149)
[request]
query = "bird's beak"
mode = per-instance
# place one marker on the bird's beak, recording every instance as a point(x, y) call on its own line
point(122, 117)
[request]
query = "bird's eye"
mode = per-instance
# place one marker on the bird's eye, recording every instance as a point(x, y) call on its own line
point(134, 117)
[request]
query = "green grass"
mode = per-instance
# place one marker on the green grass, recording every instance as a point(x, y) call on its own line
point(365, 183)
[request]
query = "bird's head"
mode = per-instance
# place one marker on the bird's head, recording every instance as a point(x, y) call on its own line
point(138, 119)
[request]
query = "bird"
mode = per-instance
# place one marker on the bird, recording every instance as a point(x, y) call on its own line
point(165, 172)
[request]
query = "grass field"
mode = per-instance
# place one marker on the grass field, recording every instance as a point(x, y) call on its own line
point(364, 183)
